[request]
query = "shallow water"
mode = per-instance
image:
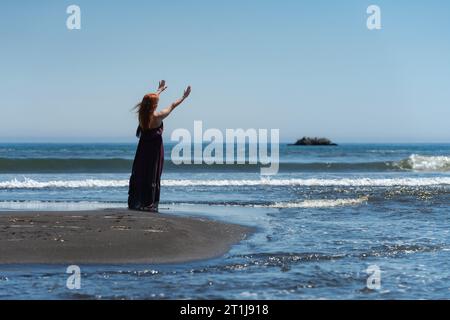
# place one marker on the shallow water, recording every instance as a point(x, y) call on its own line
point(317, 230)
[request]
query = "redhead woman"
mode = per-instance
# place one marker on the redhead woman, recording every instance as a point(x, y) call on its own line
point(145, 180)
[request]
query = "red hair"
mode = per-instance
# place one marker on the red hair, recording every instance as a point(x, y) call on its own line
point(145, 109)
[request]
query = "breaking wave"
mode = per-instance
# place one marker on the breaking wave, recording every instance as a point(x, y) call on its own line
point(27, 183)
point(116, 165)
point(425, 163)
point(93, 205)
point(318, 203)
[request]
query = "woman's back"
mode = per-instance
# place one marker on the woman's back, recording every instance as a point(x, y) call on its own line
point(145, 180)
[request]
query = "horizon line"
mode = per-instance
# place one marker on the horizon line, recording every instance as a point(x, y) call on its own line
point(175, 142)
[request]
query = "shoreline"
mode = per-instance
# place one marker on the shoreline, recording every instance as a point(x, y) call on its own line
point(112, 236)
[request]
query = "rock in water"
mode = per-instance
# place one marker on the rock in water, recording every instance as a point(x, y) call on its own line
point(307, 141)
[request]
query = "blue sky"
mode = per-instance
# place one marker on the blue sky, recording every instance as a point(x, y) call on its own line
point(304, 67)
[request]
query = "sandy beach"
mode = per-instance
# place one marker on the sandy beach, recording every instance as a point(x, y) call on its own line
point(111, 236)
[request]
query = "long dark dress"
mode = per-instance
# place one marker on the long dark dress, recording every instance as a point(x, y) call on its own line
point(145, 180)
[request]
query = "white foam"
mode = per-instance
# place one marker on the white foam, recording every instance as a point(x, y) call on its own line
point(64, 206)
point(319, 203)
point(27, 183)
point(359, 182)
point(93, 205)
point(427, 163)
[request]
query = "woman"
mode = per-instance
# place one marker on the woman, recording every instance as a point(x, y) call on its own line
point(145, 181)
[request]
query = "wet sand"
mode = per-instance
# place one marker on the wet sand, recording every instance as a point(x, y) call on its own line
point(112, 236)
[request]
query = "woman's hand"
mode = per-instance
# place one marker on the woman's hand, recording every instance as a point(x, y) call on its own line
point(162, 86)
point(165, 112)
point(187, 92)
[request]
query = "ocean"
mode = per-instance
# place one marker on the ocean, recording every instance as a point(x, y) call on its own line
point(329, 218)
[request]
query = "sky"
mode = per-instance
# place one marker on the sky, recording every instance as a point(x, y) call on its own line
point(308, 68)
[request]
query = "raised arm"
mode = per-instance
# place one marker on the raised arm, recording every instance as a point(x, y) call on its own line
point(165, 112)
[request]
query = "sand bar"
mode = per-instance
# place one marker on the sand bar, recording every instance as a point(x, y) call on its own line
point(112, 236)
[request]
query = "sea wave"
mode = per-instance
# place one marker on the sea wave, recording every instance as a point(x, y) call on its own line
point(317, 203)
point(34, 205)
point(347, 182)
point(425, 163)
point(93, 205)
point(27, 183)
point(117, 165)
point(308, 203)
point(61, 165)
